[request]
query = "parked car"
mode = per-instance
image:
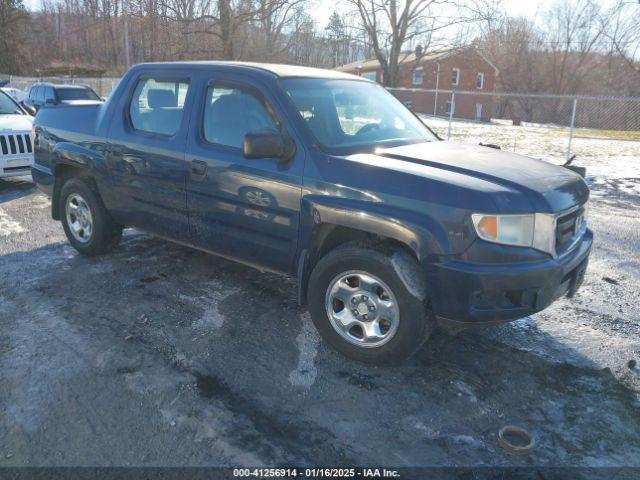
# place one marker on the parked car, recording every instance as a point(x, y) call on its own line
point(16, 94)
point(41, 94)
point(16, 150)
point(326, 177)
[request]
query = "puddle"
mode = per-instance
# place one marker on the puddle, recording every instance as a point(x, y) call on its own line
point(210, 386)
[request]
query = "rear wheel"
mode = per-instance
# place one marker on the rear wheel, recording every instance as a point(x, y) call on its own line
point(86, 222)
point(370, 303)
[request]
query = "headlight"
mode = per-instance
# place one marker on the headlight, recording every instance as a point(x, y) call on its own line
point(505, 229)
point(536, 230)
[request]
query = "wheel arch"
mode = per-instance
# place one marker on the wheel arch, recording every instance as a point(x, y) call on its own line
point(62, 173)
point(327, 226)
point(70, 161)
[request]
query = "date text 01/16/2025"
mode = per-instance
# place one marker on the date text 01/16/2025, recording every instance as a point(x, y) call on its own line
point(315, 473)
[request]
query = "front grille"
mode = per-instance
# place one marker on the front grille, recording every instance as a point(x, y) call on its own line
point(15, 143)
point(567, 226)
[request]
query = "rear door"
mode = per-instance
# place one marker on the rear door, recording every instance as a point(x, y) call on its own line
point(246, 209)
point(146, 162)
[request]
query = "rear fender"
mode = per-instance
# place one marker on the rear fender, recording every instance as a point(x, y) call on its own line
point(71, 160)
point(66, 153)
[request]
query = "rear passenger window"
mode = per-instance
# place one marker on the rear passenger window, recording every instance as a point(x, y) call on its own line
point(231, 113)
point(157, 105)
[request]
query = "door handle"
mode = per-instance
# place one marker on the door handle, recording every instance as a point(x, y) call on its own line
point(198, 169)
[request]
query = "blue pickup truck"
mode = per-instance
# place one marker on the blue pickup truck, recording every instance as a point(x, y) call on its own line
point(326, 177)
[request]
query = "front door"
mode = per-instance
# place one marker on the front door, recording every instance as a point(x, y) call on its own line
point(478, 111)
point(246, 209)
point(146, 156)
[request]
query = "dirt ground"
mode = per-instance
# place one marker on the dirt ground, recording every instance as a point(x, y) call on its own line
point(160, 355)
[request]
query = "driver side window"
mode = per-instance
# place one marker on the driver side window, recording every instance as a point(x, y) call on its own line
point(231, 113)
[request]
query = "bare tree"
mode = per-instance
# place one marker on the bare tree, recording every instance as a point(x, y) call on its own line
point(13, 22)
point(623, 32)
point(573, 33)
point(391, 24)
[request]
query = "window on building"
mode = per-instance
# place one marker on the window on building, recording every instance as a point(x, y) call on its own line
point(417, 76)
point(480, 81)
point(455, 76)
point(450, 108)
point(369, 75)
point(157, 105)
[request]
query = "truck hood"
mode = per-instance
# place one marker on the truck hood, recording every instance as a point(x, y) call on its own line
point(548, 187)
point(15, 123)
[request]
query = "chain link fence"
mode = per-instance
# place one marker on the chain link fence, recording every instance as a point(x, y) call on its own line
point(552, 127)
point(103, 86)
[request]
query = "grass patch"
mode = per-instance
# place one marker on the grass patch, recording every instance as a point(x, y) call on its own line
point(607, 134)
point(595, 133)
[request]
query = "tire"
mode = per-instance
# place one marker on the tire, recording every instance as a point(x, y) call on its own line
point(82, 195)
point(377, 269)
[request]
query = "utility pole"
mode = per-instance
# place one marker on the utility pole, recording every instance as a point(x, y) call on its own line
point(435, 101)
point(125, 12)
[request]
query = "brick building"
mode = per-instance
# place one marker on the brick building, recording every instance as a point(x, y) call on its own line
point(462, 69)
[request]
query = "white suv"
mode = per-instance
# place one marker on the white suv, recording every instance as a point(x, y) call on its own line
point(16, 145)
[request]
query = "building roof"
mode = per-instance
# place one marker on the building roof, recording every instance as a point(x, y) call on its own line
point(410, 57)
point(279, 70)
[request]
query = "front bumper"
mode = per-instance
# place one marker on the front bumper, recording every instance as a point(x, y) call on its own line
point(15, 166)
point(468, 292)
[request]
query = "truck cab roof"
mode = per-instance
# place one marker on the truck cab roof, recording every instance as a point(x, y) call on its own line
point(274, 69)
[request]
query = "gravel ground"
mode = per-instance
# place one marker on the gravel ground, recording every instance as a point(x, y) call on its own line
point(160, 355)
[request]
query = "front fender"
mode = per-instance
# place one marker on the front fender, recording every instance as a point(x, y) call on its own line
point(421, 233)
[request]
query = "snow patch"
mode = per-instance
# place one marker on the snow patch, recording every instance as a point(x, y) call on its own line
point(8, 225)
point(211, 317)
point(41, 202)
point(308, 341)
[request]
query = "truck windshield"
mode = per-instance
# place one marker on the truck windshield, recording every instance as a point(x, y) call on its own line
point(65, 94)
point(348, 116)
point(8, 106)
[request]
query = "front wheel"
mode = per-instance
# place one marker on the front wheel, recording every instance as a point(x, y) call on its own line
point(370, 303)
point(86, 221)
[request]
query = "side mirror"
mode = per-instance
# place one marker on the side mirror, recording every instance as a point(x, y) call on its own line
point(264, 144)
point(49, 101)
